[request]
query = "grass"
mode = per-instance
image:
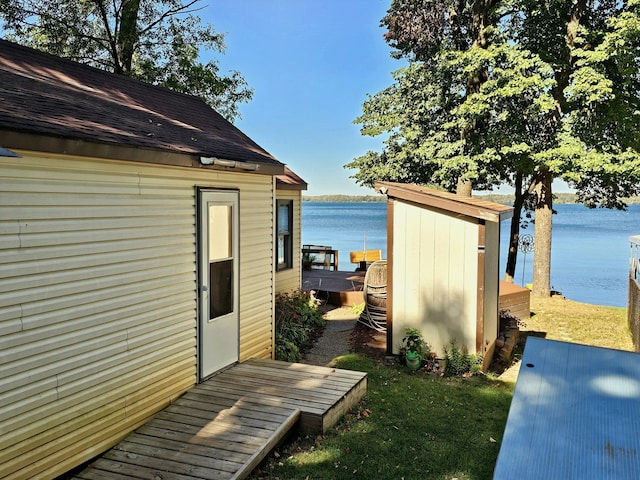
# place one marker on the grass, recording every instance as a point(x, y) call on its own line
point(418, 425)
point(411, 425)
point(558, 319)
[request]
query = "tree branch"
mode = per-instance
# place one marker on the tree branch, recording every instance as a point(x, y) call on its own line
point(113, 48)
point(170, 13)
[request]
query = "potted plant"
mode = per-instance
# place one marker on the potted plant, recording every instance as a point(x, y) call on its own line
point(413, 348)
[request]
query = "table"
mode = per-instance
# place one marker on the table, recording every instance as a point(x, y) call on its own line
point(575, 414)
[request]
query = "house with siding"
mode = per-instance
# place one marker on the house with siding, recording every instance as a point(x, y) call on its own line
point(138, 255)
point(289, 187)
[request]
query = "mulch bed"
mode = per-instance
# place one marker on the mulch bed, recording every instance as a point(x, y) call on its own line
point(364, 342)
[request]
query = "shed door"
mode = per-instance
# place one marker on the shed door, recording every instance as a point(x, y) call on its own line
point(219, 320)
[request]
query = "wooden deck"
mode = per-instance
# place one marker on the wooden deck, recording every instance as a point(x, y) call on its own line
point(340, 288)
point(224, 427)
point(515, 299)
point(345, 289)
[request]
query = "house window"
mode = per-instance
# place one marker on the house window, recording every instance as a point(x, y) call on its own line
point(284, 244)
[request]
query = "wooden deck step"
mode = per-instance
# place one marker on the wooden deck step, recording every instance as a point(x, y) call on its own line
point(224, 427)
point(323, 394)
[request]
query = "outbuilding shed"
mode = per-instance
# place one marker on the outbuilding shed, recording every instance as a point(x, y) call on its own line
point(137, 255)
point(443, 267)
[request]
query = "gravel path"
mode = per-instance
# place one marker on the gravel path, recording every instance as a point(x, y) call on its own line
point(334, 341)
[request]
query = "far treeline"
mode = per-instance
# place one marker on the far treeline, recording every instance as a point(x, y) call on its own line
point(562, 198)
point(344, 198)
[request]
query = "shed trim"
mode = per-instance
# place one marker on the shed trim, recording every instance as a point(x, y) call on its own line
point(480, 304)
point(469, 206)
point(390, 230)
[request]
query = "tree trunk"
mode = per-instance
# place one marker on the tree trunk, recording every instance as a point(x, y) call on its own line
point(543, 180)
point(464, 188)
point(514, 235)
point(542, 235)
point(127, 37)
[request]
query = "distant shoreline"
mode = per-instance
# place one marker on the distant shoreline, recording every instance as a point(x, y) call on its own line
point(560, 198)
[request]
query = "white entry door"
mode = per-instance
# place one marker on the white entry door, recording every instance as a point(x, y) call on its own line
point(219, 330)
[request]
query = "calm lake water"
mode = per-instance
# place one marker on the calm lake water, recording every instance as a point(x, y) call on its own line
point(589, 255)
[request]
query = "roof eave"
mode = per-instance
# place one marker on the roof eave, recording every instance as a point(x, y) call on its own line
point(289, 186)
point(39, 143)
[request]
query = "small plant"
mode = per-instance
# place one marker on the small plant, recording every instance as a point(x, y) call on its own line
point(307, 260)
point(507, 320)
point(358, 309)
point(413, 341)
point(459, 362)
point(413, 348)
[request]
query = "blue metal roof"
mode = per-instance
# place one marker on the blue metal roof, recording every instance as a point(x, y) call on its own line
point(575, 414)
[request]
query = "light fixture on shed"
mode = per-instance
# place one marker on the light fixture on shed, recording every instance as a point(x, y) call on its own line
point(221, 162)
point(7, 153)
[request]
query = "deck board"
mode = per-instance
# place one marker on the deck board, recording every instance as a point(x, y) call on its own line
point(224, 427)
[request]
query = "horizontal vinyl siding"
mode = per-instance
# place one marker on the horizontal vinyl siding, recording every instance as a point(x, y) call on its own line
point(256, 269)
point(98, 300)
point(290, 279)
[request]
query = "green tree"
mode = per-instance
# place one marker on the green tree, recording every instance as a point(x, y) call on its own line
point(157, 41)
point(596, 67)
point(557, 99)
point(421, 30)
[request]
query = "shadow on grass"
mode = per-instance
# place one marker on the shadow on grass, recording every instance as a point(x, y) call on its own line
point(410, 425)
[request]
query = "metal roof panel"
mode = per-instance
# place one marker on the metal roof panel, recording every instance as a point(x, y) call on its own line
point(575, 414)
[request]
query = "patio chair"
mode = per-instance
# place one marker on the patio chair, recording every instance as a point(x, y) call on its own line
point(374, 292)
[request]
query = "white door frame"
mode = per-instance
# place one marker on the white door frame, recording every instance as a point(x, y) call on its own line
point(218, 280)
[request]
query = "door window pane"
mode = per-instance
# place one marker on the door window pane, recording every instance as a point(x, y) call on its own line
point(221, 291)
point(220, 234)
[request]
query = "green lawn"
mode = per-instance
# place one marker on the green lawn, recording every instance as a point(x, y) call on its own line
point(423, 426)
point(410, 425)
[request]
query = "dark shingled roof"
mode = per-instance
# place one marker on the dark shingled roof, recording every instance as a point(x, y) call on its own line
point(290, 180)
point(46, 95)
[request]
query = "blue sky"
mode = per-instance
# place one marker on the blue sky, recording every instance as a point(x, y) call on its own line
point(311, 64)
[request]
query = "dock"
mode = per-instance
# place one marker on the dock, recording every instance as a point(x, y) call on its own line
point(224, 427)
point(337, 287)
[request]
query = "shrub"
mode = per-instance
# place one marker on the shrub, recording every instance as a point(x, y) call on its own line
point(297, 315)
point(458, 361)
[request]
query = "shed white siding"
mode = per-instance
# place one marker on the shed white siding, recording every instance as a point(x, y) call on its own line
point(290, 279)
point(435, 270)
point(98, 299)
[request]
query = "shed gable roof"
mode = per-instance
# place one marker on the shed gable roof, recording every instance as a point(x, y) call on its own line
point(469, 206)
point(46, 95)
